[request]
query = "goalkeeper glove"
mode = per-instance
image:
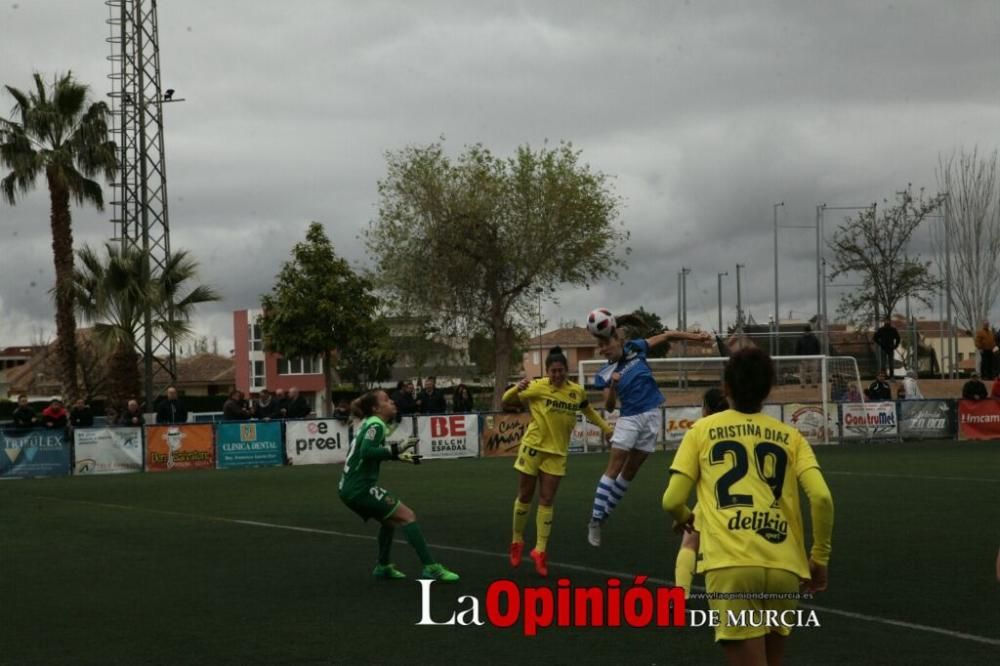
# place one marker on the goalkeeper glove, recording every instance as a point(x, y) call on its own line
point(410, 457)
point(400, 449)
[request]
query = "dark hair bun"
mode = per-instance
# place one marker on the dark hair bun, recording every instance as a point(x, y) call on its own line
point(555, 350)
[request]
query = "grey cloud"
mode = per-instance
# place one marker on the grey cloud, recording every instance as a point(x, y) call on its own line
point(704, 113)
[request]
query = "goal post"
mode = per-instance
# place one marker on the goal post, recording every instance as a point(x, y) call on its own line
point(807, 380)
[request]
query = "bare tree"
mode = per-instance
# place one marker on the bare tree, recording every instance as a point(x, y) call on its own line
point(873, 246)
point(973, 224)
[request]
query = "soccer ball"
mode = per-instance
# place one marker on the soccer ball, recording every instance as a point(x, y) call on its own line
point(601, 323)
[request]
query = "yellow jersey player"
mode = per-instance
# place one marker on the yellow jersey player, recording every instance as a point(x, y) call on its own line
point(712, 402)
point(554, 402)
point(748, 468)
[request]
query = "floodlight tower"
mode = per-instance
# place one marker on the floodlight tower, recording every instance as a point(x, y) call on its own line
point(139, 204)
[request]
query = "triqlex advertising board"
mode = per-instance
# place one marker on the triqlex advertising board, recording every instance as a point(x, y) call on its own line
point(34, 452)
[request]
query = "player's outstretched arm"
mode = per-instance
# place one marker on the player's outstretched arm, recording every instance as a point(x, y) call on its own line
point(591, 415)
point(704, 337)
point(821, 510)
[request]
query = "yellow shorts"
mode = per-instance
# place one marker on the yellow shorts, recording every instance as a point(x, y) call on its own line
point(531, 461)
point(739, 581)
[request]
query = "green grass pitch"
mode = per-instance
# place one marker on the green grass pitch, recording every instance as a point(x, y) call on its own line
point(151, 568)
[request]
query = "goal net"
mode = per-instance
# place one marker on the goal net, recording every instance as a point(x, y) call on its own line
point(806, 394)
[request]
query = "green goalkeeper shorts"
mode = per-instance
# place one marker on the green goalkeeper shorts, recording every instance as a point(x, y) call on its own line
point(377, 503)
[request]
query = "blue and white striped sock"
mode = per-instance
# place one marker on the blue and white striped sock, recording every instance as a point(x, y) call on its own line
point(615, 495)
point(601, 495)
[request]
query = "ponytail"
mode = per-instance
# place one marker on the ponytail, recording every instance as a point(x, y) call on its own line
point(364, 406)
point(556, 355)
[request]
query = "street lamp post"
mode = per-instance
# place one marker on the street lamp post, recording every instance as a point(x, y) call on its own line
point(821, 237)
point(952, 342)
point(739, 299)
point(777, 311)
point(541, 372)
point(720, 276)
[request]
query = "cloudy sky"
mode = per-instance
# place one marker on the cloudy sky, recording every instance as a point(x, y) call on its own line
point(705, 113)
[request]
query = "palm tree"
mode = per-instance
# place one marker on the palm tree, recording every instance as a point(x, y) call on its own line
point(114, 292)
point(57, 133)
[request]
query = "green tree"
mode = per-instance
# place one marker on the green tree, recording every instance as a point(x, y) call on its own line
point(319, 305)
point(114, 291)
point(482, 351)
point(873, 246)
point(56, 132)
point(468, 242)
point(369, 359)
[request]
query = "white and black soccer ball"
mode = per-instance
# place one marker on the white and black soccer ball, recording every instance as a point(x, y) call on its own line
point(601, 323)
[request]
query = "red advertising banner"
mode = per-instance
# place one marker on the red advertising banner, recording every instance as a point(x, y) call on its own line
point(502, 434)
point(176, 447)
point(979, 419)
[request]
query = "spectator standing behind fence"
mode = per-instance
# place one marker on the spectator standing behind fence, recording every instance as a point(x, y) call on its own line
point(24, 415)
point(974, 389)
point(431, 399)
point(297, 407)
point(265, 408)
point(81, 416)
point(55, 415)
point(406, 402)
point(985, 342)
point(280, 404)
point(887, 339)
point(909, 389)
point(132, 416)
point(461, 402)
point(879, 389)
point(233, 409)
point(171, 410)
point(807, 345)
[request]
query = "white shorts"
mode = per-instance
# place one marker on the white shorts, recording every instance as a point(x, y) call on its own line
point(638, 432)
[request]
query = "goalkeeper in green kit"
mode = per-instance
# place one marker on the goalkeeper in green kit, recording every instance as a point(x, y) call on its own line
point(359, 490)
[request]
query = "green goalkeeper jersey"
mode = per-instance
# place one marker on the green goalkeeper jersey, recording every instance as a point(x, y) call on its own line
point(364, 456)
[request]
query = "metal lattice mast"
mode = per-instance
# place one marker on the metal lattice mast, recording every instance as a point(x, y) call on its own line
point(140, 203)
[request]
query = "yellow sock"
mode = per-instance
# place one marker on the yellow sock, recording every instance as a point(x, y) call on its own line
point(543, 524)
point(684, 569)
point(520, 520)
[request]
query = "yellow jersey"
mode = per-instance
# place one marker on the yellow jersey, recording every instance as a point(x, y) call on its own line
point(746, 468)
point(553, 414)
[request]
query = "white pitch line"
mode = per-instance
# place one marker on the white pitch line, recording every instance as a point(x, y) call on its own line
point(562, 565)
point(914, 476)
